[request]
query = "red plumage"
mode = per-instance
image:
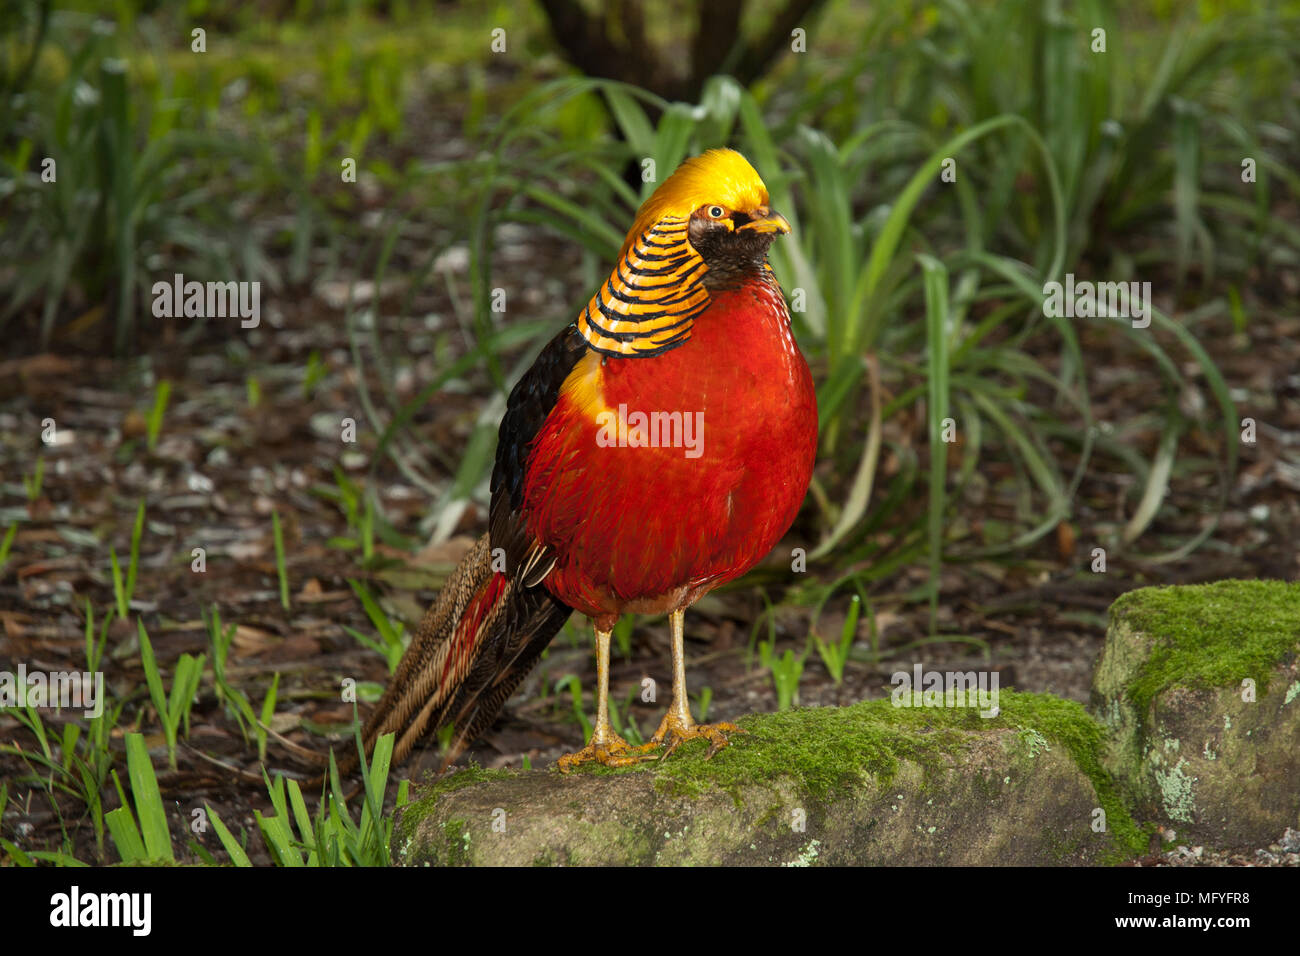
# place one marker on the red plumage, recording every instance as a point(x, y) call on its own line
point(650, 529)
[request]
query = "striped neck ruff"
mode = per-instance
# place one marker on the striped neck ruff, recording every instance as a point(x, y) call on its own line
point(651, 298)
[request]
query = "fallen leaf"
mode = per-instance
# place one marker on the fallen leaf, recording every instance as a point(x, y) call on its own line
point(1065, 540)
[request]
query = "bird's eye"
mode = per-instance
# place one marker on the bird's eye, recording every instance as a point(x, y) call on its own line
point(716, 212)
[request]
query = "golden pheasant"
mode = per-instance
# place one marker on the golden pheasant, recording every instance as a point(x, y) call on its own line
point(659, 447)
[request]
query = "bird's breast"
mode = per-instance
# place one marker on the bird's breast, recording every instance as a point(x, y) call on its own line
point(656, 479)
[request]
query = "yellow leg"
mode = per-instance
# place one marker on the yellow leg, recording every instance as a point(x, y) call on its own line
point(605, 747)
point(678, 725)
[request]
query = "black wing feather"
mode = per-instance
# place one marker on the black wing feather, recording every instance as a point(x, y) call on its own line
point(530, 401)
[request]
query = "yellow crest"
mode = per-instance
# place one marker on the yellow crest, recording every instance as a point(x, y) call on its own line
point(721, 176)
point(656, 291)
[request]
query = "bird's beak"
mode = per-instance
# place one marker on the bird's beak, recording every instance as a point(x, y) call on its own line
point(766, 222)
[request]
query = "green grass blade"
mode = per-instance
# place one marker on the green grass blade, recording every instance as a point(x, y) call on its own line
point(122, 828)
point(280, 568)
point(137, 531)
point(154, 423)
point(228, 842)
point(937, 405)
point(7, 543)
point(148, 800)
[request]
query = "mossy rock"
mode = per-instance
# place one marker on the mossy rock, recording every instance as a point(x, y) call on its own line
point(1199, 688)
point(860, 785)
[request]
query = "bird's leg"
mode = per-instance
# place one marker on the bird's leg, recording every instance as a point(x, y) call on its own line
point(605, 747)
point(678, 725)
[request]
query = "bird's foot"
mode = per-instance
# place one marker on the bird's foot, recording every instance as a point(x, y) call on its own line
point(612, 751)
point(675, 730)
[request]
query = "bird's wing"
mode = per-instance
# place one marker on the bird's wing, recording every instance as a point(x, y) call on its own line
point(527, 560)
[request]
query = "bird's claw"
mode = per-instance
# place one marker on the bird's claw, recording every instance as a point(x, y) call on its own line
point(674, 731)
point(613, 751)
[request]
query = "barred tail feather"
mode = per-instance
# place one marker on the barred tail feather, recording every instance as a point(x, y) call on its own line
point(478, 641)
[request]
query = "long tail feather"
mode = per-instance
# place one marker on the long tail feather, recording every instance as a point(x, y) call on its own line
point(476, 643)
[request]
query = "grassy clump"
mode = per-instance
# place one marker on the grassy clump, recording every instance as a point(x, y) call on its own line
point(1210, 635)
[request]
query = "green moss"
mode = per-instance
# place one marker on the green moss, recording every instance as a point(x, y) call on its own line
point(1210, 635)
point(459, 780)
point(456, 834)
point(419, 809)
point(822, 749)
point(467, 777)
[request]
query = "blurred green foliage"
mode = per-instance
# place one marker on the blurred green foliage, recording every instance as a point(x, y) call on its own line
point(1123, 164)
